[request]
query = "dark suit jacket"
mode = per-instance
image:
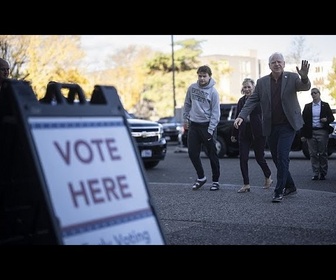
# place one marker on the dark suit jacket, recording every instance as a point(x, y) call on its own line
point(290, 85)
point(307, 129)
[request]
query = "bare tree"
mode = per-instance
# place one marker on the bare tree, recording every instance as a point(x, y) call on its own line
point(299, 50)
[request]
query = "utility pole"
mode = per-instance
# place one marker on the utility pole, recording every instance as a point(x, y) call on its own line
point(173, 66)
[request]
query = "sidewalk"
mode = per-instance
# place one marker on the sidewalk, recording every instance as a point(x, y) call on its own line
point(226, 217)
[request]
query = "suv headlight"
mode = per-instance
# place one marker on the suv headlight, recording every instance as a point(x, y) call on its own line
point(160, 131)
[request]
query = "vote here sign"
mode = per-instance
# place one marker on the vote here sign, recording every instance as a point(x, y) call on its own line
point(94, 180)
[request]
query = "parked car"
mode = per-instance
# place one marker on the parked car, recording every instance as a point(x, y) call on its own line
point(333, 124)
point(224, 145)
point(226, 148)
point(150, 141)
point(171, 128)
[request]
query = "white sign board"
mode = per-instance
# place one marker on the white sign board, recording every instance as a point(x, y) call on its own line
point(94, 181)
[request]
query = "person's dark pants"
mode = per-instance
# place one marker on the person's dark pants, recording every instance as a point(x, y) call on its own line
point(197, 136)
point(318, 151)
point(245, 142)
point(280, 142)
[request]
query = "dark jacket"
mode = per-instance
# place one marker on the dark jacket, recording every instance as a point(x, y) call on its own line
point(255, 121)
point(307, 129)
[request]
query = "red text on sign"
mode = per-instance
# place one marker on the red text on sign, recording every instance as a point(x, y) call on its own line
point(87, 151)
point(95, 191)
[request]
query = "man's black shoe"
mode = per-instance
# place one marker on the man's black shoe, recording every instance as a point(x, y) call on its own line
point(322, 177)
point(288, 191)
point(315, 178)
point(277, 198)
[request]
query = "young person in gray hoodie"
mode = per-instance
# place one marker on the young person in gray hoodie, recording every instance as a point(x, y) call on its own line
point(202, 113)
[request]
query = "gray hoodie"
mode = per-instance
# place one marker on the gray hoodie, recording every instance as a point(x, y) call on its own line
point(201, 105)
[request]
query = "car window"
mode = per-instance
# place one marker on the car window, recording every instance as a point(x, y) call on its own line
point(167, 120)
point(128, 116)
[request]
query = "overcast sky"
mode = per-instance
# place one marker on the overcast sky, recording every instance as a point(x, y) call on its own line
point(98, 47)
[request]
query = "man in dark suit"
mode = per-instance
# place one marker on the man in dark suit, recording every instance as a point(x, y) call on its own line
point(277, 95)
point(317, 116)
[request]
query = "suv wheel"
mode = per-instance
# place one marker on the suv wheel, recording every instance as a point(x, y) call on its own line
point(220, 147)
point(151, 164)
point(305, 150)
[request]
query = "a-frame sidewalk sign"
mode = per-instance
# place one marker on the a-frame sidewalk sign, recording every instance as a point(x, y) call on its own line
point(70, 172)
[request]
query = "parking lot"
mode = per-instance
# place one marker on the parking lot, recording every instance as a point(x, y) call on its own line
point(226, 217)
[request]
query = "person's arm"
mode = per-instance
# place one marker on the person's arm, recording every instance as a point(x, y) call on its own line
point(329, 118)
point(303, 72)
point(238, 121)
point(187, 106)
point(248, 107)
point(234, 132)
point(215, 112)
point(303, 130)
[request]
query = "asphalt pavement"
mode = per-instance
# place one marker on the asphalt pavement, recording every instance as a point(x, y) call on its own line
point(225, 217)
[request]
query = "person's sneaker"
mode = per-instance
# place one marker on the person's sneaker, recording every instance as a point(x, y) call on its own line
point(288, 191)
point(277, 198)
point(315, 178)
point(198, 184)
point(322, 177)
point(214, 187)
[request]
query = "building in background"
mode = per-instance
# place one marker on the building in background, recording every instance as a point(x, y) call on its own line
point(229, 86)
point(318, 75)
